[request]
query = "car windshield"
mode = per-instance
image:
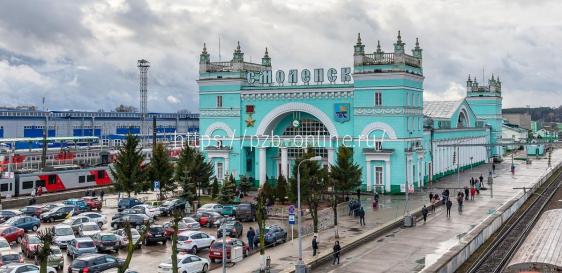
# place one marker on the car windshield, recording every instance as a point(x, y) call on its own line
point(79, 264)
point(183, 238)
point(85, 244)
point(189, 220)
point(90, 227)
point(56, 251)
point(108, 238)
point(34, 240)
point(11, 221)
point(4, 243)
point(156, 229)
point(168, 203)
point(10, 257)
point(63, 231)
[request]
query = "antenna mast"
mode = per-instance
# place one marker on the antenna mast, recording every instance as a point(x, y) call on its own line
point(143, 66)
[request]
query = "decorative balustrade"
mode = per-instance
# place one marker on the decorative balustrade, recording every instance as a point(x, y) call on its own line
point(233, 66)
point(391, 58)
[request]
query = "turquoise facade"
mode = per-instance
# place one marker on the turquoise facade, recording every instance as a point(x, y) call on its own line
point(255, 121)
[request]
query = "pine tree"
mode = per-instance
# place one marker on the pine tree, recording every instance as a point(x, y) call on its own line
point(281, 191)
point(244, 184)
point(161, 169)
point(228, 191)
point(193, 172)
point(215, 188)
point(127, 171)
point(270, 192)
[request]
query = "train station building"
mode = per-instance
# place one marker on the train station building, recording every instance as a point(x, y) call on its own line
point(256, 121)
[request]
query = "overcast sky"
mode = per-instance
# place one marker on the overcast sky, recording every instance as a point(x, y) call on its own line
point(82, 54)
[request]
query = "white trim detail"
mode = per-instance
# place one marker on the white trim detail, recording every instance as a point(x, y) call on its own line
point(389, 131)
point(219, 125)
point(295, 107)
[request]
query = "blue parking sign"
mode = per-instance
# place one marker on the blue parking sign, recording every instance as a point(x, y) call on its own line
point(157, 186)
point(291, 219)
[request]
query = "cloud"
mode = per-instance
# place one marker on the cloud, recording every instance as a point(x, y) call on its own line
point(82, 54)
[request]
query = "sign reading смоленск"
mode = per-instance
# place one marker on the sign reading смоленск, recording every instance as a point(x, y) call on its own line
point(317, 76)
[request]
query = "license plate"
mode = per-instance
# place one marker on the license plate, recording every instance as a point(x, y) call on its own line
point(216, 253)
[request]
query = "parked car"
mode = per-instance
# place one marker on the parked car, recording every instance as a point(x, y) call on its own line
point(215, 251)
point(193, 241)
point(228, 210)
point(95, 217)
point(127, 212)
point(173, 204)
point(34, 211)
point(94, 263)
point(55, 259)
point(11, 233)
point(79, 204)
point(126, 203)
point(75, 222)
point(169, 228)
point(135, 220)
point(232, 229)
point(246, 212)
point(23, 268)
point(57, 213)
point(88, 229)
point(29, 245)
point(7, 214)
point(63, 234)
point(92, 202)
point(105, 241)
point(208, 219)
point(26, 223)
point(125, 241)
point(79, 246)
point(273, 235)
point(149, 210)
point(4, 245)
point(48, 207)
point(186, 264)
point(10, 257)
point(191, 223)
point(155, 234)
point(211, 207)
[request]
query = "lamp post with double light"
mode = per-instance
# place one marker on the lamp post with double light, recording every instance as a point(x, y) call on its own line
point(300, 267)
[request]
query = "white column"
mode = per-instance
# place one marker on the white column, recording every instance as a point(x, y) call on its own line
point(368, 182)
point(284, 162)
point(387, 174)
point(331, 160)
point(262, 165)
point(227, 165)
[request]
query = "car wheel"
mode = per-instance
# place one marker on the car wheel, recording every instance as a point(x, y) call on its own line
point(51, 219)
point(194, 250)
point(205, 268)
point(35, 228)
point(100, 224)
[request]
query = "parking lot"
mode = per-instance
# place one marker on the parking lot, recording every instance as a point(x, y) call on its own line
point(148, 257)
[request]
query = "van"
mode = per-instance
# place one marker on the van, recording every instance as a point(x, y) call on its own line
point(246, 212)
point(126, 203)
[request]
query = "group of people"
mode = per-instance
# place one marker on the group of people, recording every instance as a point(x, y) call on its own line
point(336, 250)
point(356, 210)
point(93, 193)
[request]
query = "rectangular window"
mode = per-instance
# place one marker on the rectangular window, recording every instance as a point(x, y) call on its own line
point(91, 178)
point(39, 183)
point(81, 179)
point(378, 176)
point(219, 170)
point(101, 174)
point(27, 185)
point(219, 101)
point(378, 145)
point(4, 187)
point(378, 98)
point(52, 179)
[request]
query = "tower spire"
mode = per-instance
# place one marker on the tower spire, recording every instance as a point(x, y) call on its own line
point(358, 38)
point(359, 47)
point(238, 56)
point(266, 60)
point(399, 45)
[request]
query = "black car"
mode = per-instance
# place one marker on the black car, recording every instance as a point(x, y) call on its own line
point(273, 235)
point(173, 204)
point(128, 212)
point(155, 234)
point(34, 211)
point(134, 220)
point(126, 203)
point(246, 212)
point(7, 214)
point(58, 213)
point(94, 263)
point(233, 229)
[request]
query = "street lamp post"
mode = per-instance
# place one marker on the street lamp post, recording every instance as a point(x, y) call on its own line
point(300, 267)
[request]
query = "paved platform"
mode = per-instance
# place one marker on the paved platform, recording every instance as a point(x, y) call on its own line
point(407, 250)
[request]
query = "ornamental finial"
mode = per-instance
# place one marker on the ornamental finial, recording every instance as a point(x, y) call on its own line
point(417, 43)
point(399, 37)
point(204, 48)
point(358, 38)
point(266, 53)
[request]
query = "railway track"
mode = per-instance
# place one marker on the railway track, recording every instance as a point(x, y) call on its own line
point(497, 254)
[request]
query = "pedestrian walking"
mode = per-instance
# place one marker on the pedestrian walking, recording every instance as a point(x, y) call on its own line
point(512, 169)
point(93, 193)
point(361, 216)
point(314, 246)
point(481, 179)
point(472, 193)
point(478, 185)
point(466, 192)
point(449, 204)
point(493, 168)
point(102, 193)
point(431, 197)
point(251, 234)
point(337, 250)
point(459, 201)
point(434, 203)
point(424, 213)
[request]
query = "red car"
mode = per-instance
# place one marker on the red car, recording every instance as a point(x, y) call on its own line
point(169, 228)
point(11, 233)
point(215, 251)
point(209, 219)
point(92, 202)
point(29, 245)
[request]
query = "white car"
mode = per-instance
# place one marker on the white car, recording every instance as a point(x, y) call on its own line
point(191, 223)
point(4, 245)
point(95, 217)
point(125, 241)
point(88, 229)
point(63, 235)
point(149, 210)
point(193, 241)
point(187, 264)
point(24, 268)
point(211, 207)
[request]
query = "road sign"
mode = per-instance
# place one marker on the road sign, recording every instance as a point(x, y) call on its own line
point(157, 186)
point(291, 219)
point(291, 209)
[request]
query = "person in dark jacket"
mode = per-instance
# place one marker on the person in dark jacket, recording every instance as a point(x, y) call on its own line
point(449, 205)
point(314, 246)
point(424, 213)
point(361, 216)
point(251, 234)
point(481, 179)
point(337, 250)
point(466, 192)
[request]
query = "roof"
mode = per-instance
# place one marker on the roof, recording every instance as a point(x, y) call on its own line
point(441, 109)
point(542, 249)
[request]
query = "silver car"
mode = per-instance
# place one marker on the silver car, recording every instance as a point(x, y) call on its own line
point(211, 207)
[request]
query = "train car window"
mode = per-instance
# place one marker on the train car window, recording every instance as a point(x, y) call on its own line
point(4, 187)
point(91, 178)
point(52, 179)
point(101, 174)
point(39, 183)
point(81, 179)
point(27, 185)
